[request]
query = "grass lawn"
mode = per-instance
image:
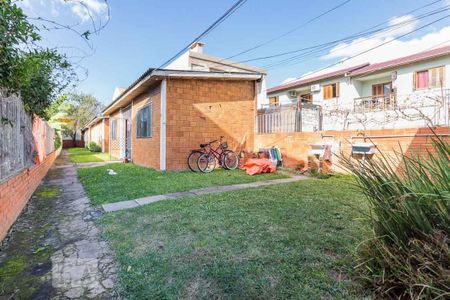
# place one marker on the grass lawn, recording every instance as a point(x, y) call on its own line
point(133, 181)
point(83, 155)
point(286, 241)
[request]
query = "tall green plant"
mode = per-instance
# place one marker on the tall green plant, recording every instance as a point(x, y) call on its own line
point(409, 198)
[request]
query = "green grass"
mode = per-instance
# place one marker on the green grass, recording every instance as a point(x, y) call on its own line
point(133, 181)
point(83, 155)
point(287, 241)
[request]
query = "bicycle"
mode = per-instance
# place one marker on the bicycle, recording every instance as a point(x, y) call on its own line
point(206, 157)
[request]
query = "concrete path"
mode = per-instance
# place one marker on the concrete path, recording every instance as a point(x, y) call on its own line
point(110, 207)
point(57, 244)
point(96, 164)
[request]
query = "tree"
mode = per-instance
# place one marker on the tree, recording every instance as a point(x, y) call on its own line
point(37, 74)
point(79, 109)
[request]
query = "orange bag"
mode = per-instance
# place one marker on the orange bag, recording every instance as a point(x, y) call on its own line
point(258, 165)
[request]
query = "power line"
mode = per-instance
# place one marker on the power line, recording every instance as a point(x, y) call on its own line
point(225, 16)
point(373, 48)
point(286, 33)
point(328, 45)
point(331, 44)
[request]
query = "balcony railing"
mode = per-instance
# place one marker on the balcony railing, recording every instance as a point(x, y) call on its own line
point(375, 103)
point(289, 119)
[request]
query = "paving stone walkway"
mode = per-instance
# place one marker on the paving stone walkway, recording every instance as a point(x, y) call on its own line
point(111, 207)
point(55, 247)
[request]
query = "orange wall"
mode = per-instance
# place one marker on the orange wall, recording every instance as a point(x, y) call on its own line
point(145, 151)
point(295, 147)
point(202, 110)
point(16, 191)
point(106, 135)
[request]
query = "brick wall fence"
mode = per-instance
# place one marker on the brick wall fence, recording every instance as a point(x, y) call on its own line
point(71, 144)
point(296, 148)
point(15, 192)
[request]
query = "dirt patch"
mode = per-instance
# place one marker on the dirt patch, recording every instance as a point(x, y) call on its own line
point(199, 288)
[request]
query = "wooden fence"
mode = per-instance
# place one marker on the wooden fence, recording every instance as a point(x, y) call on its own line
point(23, 140)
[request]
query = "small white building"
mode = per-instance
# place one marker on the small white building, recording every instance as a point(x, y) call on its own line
point(411, 91)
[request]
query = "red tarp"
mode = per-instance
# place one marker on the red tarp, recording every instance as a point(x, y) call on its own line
point(258, 165)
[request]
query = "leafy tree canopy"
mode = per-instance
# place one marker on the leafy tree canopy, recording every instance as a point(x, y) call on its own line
point(37, 74)
point(78, 109)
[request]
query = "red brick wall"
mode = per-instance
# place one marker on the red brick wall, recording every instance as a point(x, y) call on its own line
point(202, 110)
point(145, 151)
point(16, 191)
point(295, 147)
point(106, 135)
point(72, 144)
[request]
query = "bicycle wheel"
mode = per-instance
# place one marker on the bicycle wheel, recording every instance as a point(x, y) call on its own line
point(192, 160)
point(206, 163)
point(230, 160)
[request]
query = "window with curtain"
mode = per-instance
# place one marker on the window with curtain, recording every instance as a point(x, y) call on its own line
point(144, 122)
point(431, 78)
point(331, 91)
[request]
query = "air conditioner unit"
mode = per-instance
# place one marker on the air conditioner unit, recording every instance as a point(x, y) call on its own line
point(293, 94)
point(315, 88)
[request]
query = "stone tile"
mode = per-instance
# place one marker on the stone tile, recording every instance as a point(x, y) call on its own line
point(110, 207)
point(151, 199)
point(178, 195)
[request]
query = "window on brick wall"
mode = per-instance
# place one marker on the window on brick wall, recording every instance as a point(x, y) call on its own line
point(114, 129)
point(431, 78)
point(144, 122)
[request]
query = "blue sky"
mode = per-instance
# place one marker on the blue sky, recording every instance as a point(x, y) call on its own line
point(143, 34)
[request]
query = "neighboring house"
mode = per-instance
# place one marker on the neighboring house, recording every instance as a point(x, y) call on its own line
point(97, 130)
point(411, 91)
point(165, 113)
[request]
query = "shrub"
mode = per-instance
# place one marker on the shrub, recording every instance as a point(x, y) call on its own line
point(93, 147)
point(57, 142)
point(408, 255)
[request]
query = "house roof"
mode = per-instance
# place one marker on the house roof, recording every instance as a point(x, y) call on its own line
point(153, 76)
point(303, 81)
point(403, 60)
point(225, 62)
point(94, 121)
point(366, 68)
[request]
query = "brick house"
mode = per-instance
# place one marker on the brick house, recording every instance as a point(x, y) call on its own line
point(166, 113)
point(97, 130)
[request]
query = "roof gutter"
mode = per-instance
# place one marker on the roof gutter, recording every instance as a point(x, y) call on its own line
point(159, 74)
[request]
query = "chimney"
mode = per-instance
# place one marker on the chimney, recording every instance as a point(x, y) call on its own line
point(197, 47)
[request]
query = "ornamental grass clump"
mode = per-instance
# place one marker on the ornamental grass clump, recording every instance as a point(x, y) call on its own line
point(408, 256)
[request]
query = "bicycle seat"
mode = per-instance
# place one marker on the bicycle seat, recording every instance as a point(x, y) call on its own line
point(203, 145)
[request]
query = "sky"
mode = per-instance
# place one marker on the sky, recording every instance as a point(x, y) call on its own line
point(142, 34)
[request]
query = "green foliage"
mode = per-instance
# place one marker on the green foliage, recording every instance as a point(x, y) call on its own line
point(79, 108)
point(37, 74)
point(57, 142)
point(93, 147)
point(409, 253)
point(83, 155)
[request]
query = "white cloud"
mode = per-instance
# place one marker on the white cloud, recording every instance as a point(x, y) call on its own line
point(393, 49)
point(84, 10)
